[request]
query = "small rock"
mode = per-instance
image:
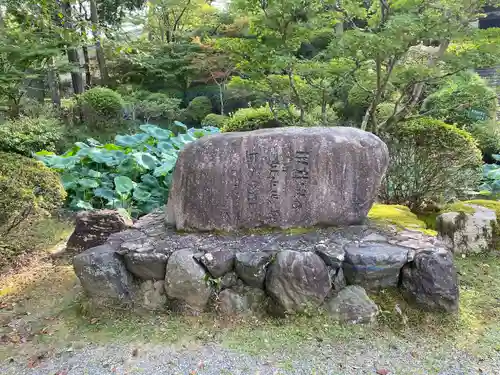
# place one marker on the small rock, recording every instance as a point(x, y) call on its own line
point(241, 301)
point(103, 275)
point(229, 280)
point(467, 233)
point(374, 237)
point(186, 281)
point(251, 268)
point(352, 305)
point(218, 263)
point(332, 254)
point(298, 280)
point(146, 265)
point(431, 281)
point(92, 228)
point(153, 295)
point(374, 265)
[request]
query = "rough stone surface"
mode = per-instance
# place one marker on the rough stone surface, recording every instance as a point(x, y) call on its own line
point(146, 265)
point(311, 263)
point(251, 268)
point(218, 263)
point(241, 301)
point(352, 305)
point(431, 281)
point(229, 280)
point(467, 233)
point(152, 294)
point(286, 177)
point(92, 228)
point(297, 281)
point(186, 281)
point(374, 265)
point(103, 275)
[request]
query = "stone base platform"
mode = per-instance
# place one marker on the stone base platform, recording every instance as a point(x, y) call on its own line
point(153, 267)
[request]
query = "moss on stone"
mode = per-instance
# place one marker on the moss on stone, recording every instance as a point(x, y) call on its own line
point(463, 206)
point(400, 216)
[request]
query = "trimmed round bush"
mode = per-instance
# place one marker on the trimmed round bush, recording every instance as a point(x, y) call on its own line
point(197, 110)
point(101, 103)
point(247, 119)
point(429, 160)
point(213, 119)
point(27, 135)
point(29, 189)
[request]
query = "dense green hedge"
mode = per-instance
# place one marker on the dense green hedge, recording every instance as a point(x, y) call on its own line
point(28, 189)
point(28, 135)
point(429, 159)
point(246, 119)
point(213, 119)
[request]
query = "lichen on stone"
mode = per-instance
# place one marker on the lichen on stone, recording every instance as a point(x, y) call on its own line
point(400, 216)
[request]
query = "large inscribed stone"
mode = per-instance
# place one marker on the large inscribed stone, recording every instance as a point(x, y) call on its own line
point(284, 177)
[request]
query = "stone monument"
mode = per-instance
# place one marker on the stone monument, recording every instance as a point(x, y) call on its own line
point(271, 221)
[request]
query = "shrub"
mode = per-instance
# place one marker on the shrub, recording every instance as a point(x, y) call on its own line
point(247, 119)
point(213, 119)
point(197, 110)
point(29, 189)
point(429, 160)
point(27, 135)
point(462, 100)
point(148, 105)
point(133, 173)
point(100, 105)
point(487, 134)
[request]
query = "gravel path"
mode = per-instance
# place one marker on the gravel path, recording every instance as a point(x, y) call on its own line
point(356, 357)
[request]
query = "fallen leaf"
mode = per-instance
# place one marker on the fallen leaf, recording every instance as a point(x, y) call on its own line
point(135, 352)
point(94, 321)
point(382, 371)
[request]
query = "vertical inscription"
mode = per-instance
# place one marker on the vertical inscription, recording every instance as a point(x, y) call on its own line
point(300, 174)
point(253, 184)
point(275, 171)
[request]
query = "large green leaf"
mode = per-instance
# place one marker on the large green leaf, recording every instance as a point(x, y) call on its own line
point(123, 185)
point(141, 195)
point(81, 205)
point(131, 141)
point(166, 167)
point(157, 132)
point(105, 193)
point(166, 147)
point(88, 183)
point(69, 181)
point(150, 181)
point(145, 160)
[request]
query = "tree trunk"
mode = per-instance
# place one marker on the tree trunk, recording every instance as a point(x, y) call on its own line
point(86, 66)
point(73, 58)
point(101, 60)
point(52, 79)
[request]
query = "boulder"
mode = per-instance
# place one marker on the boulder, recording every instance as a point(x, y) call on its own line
point(92, 228)
point(187, 282)
point(103, 275)
point(352, 305)
point(251, 268)
point(374, 265)
point(431, 281)
point(281, 178)
point(241, 301)
point(298, 280)
point(467, 233)
point(218, 263)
